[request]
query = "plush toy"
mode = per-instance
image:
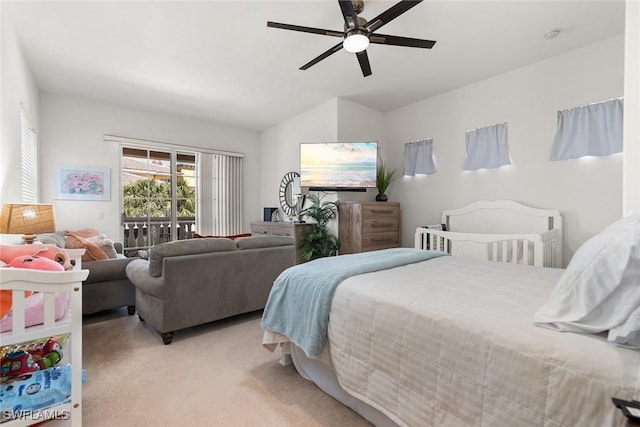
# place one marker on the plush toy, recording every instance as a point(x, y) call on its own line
point(9, 252)
point(41, 257)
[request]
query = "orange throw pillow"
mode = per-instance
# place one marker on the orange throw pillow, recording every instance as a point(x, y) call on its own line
point(78, 240)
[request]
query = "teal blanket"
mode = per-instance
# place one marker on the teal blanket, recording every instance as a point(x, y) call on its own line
point(299, 302)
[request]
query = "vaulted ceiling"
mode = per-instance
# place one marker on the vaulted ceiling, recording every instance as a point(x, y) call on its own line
point(217, 60)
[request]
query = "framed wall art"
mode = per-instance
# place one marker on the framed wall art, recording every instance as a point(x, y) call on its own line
point(81, 183)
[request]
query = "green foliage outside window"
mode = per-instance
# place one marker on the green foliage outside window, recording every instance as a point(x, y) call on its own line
point(148, 196)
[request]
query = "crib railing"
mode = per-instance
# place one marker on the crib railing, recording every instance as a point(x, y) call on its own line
point(530, 249)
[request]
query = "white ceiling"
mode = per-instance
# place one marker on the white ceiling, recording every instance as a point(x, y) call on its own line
point(217, 60)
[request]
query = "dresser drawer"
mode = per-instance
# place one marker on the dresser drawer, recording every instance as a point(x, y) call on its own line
point(281, 230)
point(380, 210)
point(259, 229)
point(379, 225)
point(376, 241)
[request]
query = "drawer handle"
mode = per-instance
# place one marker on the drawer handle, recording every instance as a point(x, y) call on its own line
point(382, 210)
point(386, 224)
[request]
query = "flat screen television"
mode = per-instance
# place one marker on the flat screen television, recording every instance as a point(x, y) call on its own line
point(338, 166)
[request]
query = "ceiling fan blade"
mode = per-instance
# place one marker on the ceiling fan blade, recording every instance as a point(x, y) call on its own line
point(305, 29)
point(322, 56)
point(390, 14)
point(400, 41)
point(363, 59)
point(349, 14)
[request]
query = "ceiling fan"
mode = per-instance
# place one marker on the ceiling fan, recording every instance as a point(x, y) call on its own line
point(358, 32)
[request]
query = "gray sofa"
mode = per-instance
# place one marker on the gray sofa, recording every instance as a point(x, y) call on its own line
point(191, 282)
point(107, 286)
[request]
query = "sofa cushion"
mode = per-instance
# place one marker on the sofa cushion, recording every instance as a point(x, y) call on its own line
point(263, 242)
point(185, 247)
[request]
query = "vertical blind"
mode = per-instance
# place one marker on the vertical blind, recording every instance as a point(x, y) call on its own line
point(29, 156)
point(418, 158)
point(220, 194)
point(590, 130)
point(487, 147)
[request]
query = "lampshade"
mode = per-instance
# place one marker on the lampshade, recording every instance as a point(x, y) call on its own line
point(356, 41)
point(29, 219)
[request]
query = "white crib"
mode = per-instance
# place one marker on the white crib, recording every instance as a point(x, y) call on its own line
point(499, 230)
point(18, 280)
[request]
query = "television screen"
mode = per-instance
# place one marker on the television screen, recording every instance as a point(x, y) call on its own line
point(338, 165)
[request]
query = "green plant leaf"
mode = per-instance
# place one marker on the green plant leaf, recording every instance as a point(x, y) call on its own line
point(384, 177)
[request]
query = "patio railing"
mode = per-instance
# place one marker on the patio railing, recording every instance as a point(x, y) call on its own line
point(140, 233)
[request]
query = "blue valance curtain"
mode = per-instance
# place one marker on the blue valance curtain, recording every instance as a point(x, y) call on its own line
point(591, 130)
point(487, 147)
point(418, 158)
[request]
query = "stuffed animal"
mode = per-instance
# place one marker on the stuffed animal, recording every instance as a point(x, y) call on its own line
point(9, 252)
point(40, 257)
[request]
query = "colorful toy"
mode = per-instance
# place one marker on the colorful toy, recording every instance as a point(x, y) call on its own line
point(35, 356)
point(39, 257)
point(47, 353)
point(17, 363)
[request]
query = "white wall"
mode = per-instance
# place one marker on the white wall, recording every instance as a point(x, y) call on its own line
point(17, 89)
point(280, 147)
point(72, 131)
point(359, 123)
point(631, 169)
point(586, 191)
point(337, 120)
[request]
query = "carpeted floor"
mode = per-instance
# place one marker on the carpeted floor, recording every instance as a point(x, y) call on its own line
point(212, 375)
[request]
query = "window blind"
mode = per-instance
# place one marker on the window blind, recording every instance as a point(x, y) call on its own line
point(220, 194)
point(29, 159)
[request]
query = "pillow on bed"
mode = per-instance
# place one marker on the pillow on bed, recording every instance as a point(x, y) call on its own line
point(599, 289)
point(627, 334)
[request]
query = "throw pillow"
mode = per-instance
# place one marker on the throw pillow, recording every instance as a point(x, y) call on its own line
point(57, 238)
point(95, 244)
point(105, 244)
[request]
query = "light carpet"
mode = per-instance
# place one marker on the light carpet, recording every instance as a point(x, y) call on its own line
point(211, 375)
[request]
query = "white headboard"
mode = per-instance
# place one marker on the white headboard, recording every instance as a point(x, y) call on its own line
point(501, 217)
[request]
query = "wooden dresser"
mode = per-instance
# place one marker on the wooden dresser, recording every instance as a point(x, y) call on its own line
point(294, 229)
point(368, 226)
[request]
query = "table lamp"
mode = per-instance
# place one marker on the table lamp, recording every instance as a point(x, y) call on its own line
point(28, 219)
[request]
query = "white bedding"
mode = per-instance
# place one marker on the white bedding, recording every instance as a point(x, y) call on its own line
point(451, 342)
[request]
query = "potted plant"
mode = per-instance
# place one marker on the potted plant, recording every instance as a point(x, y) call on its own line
point(320, 242)
point(383, 179)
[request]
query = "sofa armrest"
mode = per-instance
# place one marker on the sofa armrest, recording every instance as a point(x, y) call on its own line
point(138, 273)
point(106, 269)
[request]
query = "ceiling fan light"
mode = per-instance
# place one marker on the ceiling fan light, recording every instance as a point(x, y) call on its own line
point(355, 42)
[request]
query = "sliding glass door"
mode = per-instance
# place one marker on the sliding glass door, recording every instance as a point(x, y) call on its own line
point(158, 197)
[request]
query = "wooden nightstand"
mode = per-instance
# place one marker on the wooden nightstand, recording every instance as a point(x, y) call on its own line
point(368, 226)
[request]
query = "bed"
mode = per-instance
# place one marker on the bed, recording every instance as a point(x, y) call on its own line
point(498, 230)
point(451, 341)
